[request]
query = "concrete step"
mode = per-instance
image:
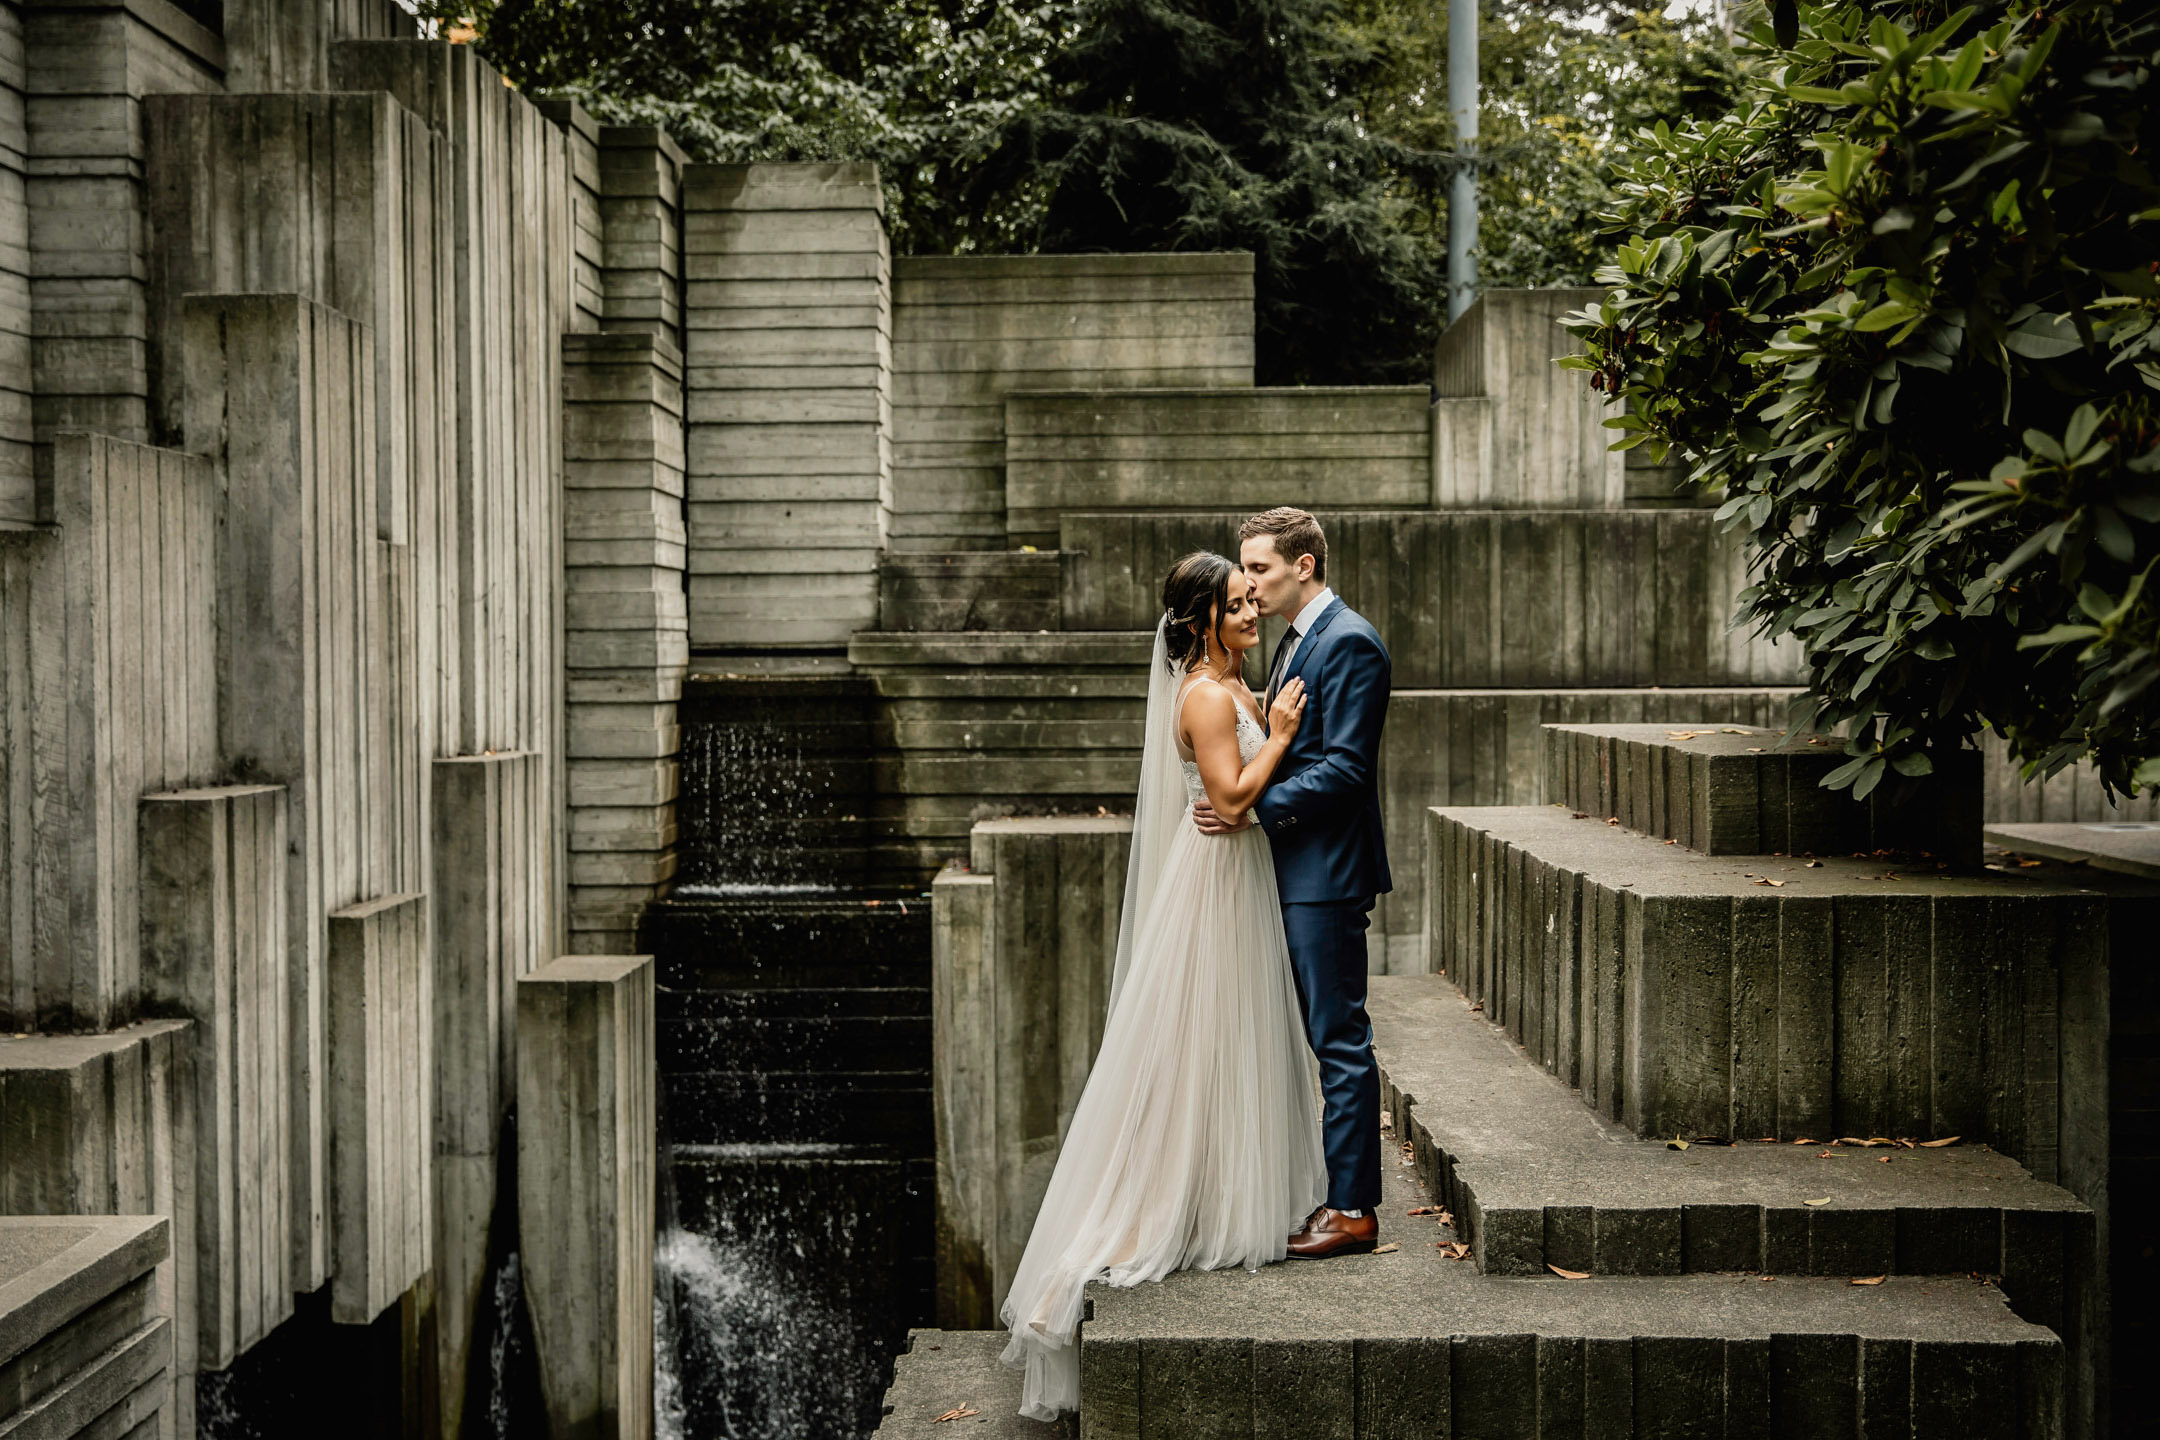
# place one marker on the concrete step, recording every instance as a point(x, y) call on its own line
point(969, 590)
point(1737, 790)
point(1688, 994)
point(1537, 1180)
point(1412, 1344)
point(942, 1371)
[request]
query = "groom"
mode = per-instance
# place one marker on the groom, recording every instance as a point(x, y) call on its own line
point(1322, 814)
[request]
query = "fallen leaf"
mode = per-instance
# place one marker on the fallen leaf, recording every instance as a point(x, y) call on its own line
point(1676, 1143)
point(1734, 730)
point(1684, 734)
point(1424, 1210)
point(1768, 1278)
point(1824, 1156)
point(1882, 1159)
point(1824, 1201)
point(1807, 1142)
point(1580, 815)
point(1612, 820)
point(958, 1412)
point(1870, 1280)
point(1388, 1249)
point(1814, 864)
point(1454, 1249)
point(1672, 842)
point(1938, 1144)
point(1569, 1274)
point(1477, 1008)
point(1766, 880)
point(1754, 749)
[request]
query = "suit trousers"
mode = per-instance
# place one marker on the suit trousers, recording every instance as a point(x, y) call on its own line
point(1327, 955)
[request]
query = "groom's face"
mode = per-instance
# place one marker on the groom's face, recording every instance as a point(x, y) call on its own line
point(1276, 583)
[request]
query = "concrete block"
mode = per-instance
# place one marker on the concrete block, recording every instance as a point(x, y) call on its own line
point(86, 1343)
point(381, 1069)
point(586, 1156)
point(1547, 447)
point(214, 951)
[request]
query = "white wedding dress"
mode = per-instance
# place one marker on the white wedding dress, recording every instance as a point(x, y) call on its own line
point(1196, 1142)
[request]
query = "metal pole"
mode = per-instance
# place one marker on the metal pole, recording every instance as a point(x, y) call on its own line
point(1462, 217)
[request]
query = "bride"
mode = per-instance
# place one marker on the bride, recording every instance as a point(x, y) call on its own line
point(1196, 1143)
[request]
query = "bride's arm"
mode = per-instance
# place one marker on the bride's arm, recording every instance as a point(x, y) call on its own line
point(1211, 726)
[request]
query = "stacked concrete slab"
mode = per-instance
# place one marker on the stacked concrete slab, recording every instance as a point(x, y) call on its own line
point(18, 485)
point(788, 323)
point(970, 331)
point(86, 1343)
point(627, 644)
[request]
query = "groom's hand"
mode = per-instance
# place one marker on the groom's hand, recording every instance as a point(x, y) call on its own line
point(1210, 823)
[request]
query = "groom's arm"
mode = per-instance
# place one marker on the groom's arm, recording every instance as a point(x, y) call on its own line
point(1350, 696)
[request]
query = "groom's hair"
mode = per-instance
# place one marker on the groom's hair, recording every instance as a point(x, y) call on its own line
point(1295, 533)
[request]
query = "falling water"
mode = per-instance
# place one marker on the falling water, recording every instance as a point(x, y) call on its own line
point(796, 1186)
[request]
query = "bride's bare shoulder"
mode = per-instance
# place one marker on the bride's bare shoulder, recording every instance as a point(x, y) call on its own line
point(1209, 708)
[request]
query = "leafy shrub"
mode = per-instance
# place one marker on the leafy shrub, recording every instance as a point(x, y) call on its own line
point(1901, 305)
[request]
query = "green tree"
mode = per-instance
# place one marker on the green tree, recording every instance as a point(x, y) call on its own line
point(1900, 305)
point(1561, 84)
point(1232, 125)
point(914, 85)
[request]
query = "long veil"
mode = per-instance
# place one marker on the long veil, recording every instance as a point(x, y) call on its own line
point(1158, 809)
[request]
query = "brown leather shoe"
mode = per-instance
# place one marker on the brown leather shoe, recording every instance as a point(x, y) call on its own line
point(1306, 1224)
point(1330, 1232)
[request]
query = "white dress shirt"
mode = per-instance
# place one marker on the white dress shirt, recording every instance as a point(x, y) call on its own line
point(1299, 629)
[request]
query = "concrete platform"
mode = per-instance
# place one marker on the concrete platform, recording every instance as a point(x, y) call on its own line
point(1537, 1180)
point(947, 1370)
point(1412, 1344)
point(1751, 996)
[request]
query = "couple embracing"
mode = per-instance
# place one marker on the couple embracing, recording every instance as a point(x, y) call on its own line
point(1256, 858)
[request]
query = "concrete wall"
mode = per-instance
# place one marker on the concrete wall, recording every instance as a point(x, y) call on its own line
point(1021, 950)
point(627, 645)
point(1511, 430)
point(349, 308)
point(788, 391)
point(1360, 448)
point(968, 331)
point(108, 672)
point(18, 489)
point(1561, 598)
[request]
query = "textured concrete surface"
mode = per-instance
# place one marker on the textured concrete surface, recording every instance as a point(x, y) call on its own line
point(1745, 997)
point(1737, 790)
point(2127, 847)
point(1539, 1180)
point(1410, 1343)
point(947, 1370)
point(86, 1342)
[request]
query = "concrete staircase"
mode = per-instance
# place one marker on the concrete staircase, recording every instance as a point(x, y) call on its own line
point(1689, 1144)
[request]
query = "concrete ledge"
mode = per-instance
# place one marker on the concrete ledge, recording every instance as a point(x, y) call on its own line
point(86, 1342)
point(1735, 790)
point(2130, 847)
point(1536, 1179)
point(945, 1370)
point(1696, 995)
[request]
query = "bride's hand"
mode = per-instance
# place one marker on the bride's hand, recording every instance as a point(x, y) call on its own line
point(1288, 711)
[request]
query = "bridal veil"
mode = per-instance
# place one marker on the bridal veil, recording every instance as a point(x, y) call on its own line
point(1196, 1143)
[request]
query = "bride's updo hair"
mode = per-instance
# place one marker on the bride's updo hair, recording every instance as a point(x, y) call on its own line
point(1194, 595)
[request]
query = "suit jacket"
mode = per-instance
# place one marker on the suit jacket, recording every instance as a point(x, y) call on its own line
point(1322, 810)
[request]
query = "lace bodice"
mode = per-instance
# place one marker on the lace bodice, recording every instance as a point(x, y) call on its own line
point(1251, 735)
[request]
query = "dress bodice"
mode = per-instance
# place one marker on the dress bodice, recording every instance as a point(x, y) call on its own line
point(1251, 735)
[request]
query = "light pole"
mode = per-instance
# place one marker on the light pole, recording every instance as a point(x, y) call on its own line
point(1462, 216)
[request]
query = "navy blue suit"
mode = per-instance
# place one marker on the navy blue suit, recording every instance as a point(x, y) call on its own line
point(1322, 816)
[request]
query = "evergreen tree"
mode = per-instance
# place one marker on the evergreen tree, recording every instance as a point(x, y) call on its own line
point(1233, 125)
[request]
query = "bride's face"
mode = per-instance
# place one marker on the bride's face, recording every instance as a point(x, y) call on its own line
point(1240, 627)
